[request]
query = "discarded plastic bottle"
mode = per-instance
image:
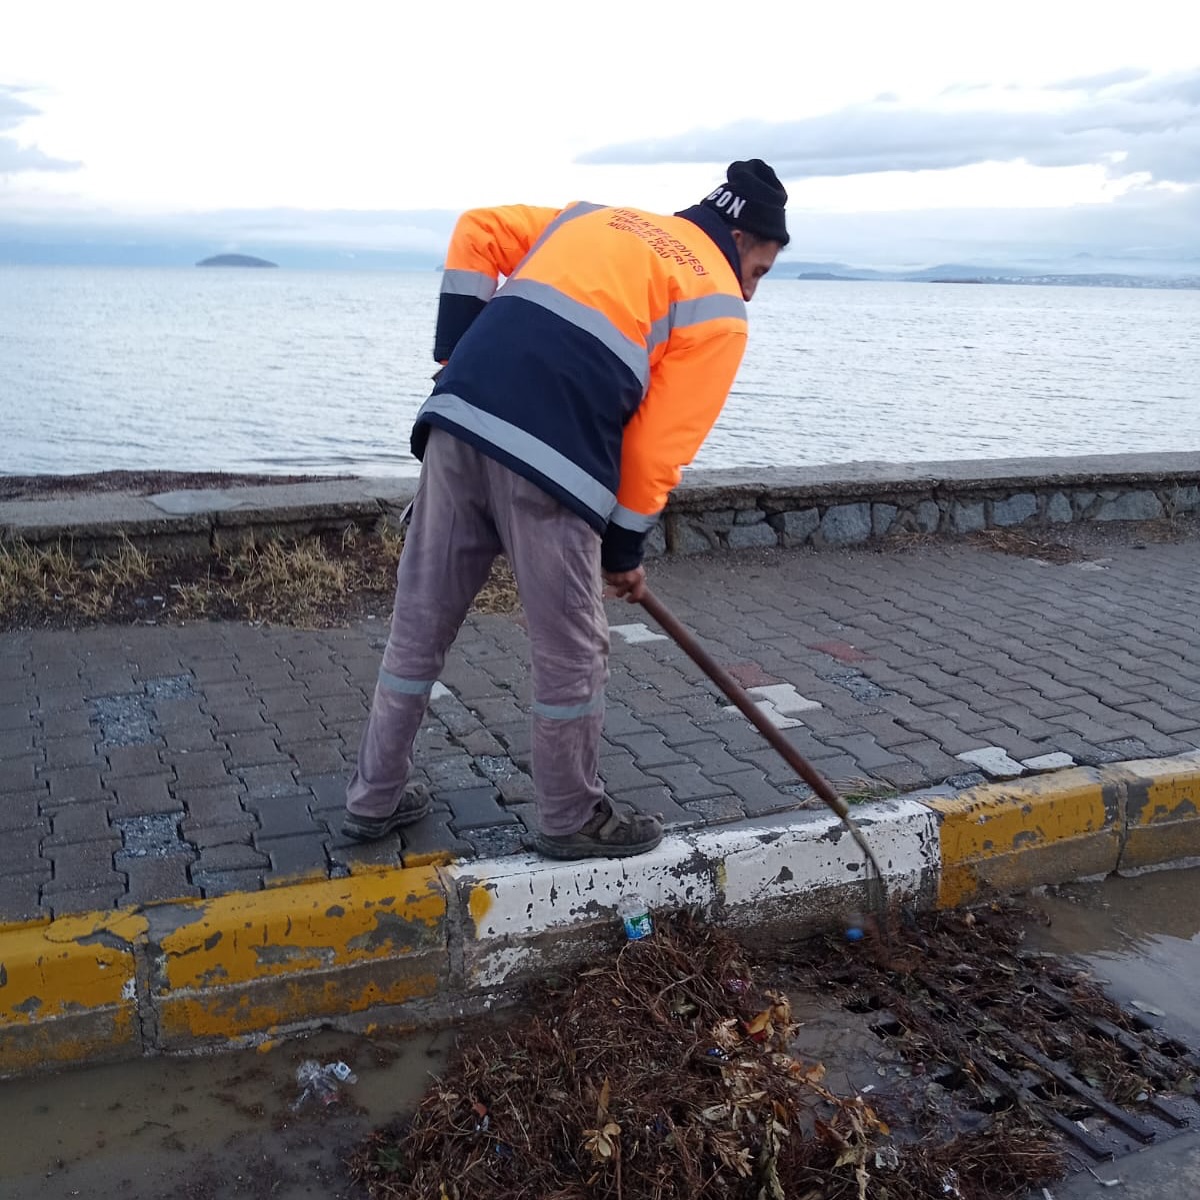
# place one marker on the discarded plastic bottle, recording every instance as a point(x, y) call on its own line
point(321, 1082)
point(635, 913)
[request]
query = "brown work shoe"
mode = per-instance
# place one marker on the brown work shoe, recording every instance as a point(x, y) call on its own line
point(414, 804)
point(608, 834)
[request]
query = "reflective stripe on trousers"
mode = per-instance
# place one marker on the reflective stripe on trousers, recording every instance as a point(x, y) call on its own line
point(468, 509)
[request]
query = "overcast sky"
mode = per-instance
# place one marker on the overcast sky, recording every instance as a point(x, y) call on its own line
point(905, 132)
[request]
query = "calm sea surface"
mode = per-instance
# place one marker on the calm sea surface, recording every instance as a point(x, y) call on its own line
point(288, 371)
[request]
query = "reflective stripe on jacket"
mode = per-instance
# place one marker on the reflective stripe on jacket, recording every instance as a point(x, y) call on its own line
point(599, 366)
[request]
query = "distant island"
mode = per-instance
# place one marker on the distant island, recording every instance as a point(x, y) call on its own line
point(235, 260)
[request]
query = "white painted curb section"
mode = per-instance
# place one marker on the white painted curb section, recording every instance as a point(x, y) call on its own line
point(737, 874)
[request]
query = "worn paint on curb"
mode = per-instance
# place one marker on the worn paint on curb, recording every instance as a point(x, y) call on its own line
point(1163, 807)
point(1000, 836)
point(253, 966)
point(245, 963)
point(68, 990)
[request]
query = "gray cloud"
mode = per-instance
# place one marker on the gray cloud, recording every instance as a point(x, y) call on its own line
point(1125, 120)
point(1097, 83)
point(13, 156)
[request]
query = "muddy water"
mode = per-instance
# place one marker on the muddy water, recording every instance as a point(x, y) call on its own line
point(205, 1128)
point(218, 1128)
point(1139, 936)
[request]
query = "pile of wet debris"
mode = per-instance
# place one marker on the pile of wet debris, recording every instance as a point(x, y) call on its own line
point(673, 1071)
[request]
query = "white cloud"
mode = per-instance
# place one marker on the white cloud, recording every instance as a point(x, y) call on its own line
point(14, 156)
point(1128, 122)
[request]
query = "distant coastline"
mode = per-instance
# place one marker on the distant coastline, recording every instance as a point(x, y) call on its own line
point(955, 273)
point(235, 260)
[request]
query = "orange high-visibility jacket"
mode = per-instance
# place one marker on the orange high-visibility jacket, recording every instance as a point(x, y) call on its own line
point(598, 367)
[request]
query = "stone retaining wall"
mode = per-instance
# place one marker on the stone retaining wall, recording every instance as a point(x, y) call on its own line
point(848, 506)
point(839, 505)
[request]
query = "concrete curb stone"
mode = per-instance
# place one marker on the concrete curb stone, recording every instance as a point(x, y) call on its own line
point(430, 942)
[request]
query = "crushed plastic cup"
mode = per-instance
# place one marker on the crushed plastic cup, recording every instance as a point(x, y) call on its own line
point(635, 914)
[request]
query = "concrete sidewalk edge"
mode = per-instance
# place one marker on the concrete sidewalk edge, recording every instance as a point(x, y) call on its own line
point(428, 944)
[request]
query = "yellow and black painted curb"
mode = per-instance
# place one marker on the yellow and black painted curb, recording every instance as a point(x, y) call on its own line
point(427, 943)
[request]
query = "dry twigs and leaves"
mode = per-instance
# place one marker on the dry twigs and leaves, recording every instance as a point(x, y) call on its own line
point(317, 581)
point(669, 1073)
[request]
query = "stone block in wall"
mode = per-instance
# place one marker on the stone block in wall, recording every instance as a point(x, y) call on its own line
point(1083, 503)
point(797, 527)
point(688, 538)
point(1130, 506)
point(928, 516)
point(714, 520)
point(1015, 510)
point(967, 518)
point(1185, 499)
point(883, 516)
point(744, 537)
point(1059, 510)
point(846, 524)
point(656, 542)
point(749, 516)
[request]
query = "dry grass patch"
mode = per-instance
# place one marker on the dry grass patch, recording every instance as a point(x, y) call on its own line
point(322, 580)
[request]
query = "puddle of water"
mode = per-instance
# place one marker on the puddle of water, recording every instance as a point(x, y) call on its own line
point(206, 1128)
point(1140, 936)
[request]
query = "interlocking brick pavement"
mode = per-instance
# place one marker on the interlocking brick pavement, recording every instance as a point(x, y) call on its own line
point(149, 763)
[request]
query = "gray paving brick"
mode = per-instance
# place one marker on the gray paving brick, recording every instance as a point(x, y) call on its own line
point(15, 716)
point(1163, 721)
point(686, 782)
point(757, 794)
point(72, 783)
point(355, 856)
point(657, 800)
point(264, 782)
point(83, 864)
point(303, 725)
point(199, 768)
point(297, 855)
point(907, 776)
point(432, 838)
point(282, 816)
point(230, 856)
point(480, 743)
point(128, 761)
point(20, 897)
point(78, 751)
point(20, 774)
point(20, 809)
point(244, 718)
point(190, 738)
point(649, 749)
point(452, 774)
point(19, 848)
point(865, 751)
point(499, 840)
point(255, 749)
point(143, 795)
point(935, 763)
point(75, 901)
point(342, 708)
point(618, 772)
point(713, 759)
point(154, 879)
point(717, 810)
point(315, 758)
point(476, 808)
point(278, 702)
point(225, 883)
point(239, 832)
point(87, 821)
point(678, 730)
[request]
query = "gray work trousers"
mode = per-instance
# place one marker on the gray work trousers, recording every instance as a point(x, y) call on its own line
point(469, 508)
